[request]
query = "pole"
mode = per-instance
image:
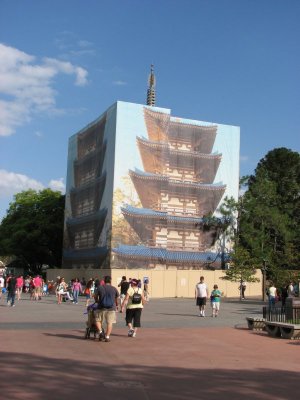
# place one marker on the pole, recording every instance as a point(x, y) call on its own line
point(264, 270)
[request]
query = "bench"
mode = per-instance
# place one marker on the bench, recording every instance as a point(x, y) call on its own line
point(256, 324)
point(283, 329)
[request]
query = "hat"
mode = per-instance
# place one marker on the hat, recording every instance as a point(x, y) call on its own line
point(134, 282)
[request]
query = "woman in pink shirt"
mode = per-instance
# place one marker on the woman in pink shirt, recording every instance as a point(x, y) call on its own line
point(76, 289)
point(19, 286)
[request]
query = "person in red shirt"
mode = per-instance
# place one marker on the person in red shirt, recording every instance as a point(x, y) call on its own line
point(19, 286)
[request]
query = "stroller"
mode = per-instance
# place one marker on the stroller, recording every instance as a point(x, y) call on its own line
point(90, 323)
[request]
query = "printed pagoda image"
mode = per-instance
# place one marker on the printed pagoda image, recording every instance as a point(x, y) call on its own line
point(176, 190)
point(141, 185)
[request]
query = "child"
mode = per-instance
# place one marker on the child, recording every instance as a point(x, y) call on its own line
point(215, 299)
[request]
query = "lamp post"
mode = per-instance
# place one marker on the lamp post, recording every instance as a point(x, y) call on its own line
point(264, 272)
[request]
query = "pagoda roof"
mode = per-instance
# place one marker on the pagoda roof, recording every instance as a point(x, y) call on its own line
point(163, 127)
point(144, 221)
point(150, 186)
point(161, 255)
point(148, 213)
point(96, 254)
point(87, 219)
point(155, 155)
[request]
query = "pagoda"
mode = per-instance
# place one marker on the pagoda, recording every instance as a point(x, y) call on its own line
point(177, 191)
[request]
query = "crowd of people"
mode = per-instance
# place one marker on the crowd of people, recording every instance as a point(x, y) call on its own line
point(129, 296)
point(106, 298)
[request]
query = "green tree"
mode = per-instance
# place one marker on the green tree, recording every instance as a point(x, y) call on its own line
point(269, 221)
point(241, 267)
point(32, 230)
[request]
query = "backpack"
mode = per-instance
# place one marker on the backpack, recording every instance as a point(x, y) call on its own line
point(107, 301)
point(136, 298)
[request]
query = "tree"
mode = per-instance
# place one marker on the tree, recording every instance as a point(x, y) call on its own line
point(269, 222)
point(32, 230)
point(241, 267)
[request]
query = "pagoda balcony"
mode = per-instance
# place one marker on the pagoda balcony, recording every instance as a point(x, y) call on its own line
point(151, 188)
point(161, 158)
point(88, 228)
point(174, 246)
point(91, 138)
point(89, 167)
point(87, 198)
point(164, 128)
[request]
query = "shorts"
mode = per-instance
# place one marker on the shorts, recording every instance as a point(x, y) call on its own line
point(109, 316)
point(135, 315)
point(215, 305)
point(201, 301)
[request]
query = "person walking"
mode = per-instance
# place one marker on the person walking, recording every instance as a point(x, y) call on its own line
point(88, 292)
point(134, 303)
point(37, 284)
point(242, 289)
point(272, 291)
point(11, 290)
point(76, 289)
point(201, 294)
point(124, 286)
point(107, 297)
point(1, 286)
point(146, 289)
point(215, 298)
point(19, 286)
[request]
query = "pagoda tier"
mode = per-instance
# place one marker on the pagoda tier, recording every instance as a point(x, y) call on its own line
point(89, 167)
point(163, 128)
point(152, 189)
point(91, 138)
point(85, 231)
point(87, 198)
point(161, 158)
point(156, 255)
point(91, 256)
point(154, 227)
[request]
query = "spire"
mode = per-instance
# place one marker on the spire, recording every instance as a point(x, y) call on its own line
point(151, 88)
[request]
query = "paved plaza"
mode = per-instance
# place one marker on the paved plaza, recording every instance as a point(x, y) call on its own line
point(176, 354)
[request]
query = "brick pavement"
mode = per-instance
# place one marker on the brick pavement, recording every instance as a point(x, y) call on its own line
point(176, 355)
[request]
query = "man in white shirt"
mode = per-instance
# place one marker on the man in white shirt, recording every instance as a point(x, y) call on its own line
point(201, 294)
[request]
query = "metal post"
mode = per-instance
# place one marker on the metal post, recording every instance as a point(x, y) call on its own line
point(264, 270)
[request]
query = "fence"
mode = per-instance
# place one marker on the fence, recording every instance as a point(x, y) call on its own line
point(288, 314)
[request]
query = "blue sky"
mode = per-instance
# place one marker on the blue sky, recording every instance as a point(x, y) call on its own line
point(62, 63)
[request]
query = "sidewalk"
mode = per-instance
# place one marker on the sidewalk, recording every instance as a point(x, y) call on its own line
point(176, 355)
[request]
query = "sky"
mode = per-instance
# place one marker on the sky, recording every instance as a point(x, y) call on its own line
point(63, 63)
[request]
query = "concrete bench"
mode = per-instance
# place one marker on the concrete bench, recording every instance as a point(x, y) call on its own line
point(256, 324)
point(282, 329)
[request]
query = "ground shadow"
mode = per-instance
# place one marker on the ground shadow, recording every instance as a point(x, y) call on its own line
point(38, 377)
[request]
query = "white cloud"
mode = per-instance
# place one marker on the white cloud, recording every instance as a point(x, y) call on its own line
point(57, 184)
point(26, 86)
point(12, 183)
point(244, 158)
point(119, 83)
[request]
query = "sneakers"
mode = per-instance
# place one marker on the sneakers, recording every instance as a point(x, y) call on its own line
point(130, 333)
point(101, 336)
point(107, 339)
point(134, 334)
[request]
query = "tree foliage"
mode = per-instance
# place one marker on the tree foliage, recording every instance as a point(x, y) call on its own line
point(270, 212)
point(32, 230)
